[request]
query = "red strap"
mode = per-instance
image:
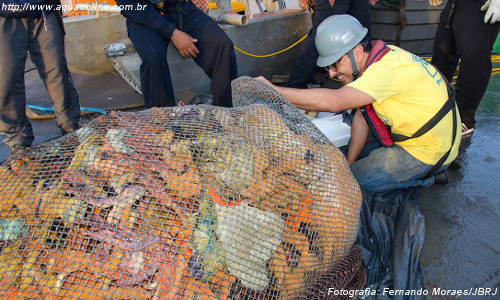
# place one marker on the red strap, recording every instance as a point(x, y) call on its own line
point(379, 49)
point(378, 128)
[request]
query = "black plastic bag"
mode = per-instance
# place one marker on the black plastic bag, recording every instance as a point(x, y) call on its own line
point(391, 235)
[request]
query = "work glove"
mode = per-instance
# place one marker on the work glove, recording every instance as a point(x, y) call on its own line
point(435, 2)
point(492, 8)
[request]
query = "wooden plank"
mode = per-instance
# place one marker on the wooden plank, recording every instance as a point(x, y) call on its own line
point(418, 32)
point(413, 5)
point(408, 32)
point(384, 16)
point(384, 32)
point(379, 5)
point(413, 17)
point(418, 47)
point(422, 17)
point(420, 26)
point(421, 5)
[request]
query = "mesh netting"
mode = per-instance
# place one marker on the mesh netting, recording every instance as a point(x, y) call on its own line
point(347, 273)
point(183, 202)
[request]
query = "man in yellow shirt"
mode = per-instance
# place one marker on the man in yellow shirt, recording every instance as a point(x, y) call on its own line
point(403, 92)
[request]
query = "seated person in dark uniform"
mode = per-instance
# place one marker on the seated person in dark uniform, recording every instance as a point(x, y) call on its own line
point(153, 24)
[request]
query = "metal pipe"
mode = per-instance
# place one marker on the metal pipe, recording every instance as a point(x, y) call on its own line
point(233, 19)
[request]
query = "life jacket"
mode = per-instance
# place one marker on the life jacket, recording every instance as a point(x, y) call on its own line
point(378, 129)
point(383, 134)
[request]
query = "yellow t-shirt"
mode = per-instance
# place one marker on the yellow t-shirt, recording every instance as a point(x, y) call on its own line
point(408, 92)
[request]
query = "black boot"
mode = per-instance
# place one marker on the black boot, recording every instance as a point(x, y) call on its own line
point(442, 177)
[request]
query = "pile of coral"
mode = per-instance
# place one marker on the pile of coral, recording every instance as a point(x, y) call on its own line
point(184, 202)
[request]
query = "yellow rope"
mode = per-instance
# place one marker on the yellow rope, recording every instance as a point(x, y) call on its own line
point(272, 54)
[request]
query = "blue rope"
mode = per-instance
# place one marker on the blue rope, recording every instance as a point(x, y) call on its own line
point(83, 108)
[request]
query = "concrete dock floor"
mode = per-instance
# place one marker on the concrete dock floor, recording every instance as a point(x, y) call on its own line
point(462, 240)
point(108, 91)
point(462, 244)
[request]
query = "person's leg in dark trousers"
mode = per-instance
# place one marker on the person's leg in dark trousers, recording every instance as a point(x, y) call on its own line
point(472, 41)
point(305, 64)
point(156, 83)
point(216, 56)
point(14, 39)
point(46, 50)
point(360, 9)
point(444, 53)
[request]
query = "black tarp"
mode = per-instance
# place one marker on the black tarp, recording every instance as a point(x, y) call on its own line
point(392, 236)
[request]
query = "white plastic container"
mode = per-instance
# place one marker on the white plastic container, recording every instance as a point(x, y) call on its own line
point(333, 127)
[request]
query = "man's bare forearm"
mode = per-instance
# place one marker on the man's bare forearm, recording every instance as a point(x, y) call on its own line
point(321, 99)
point(310, 99)
point(359, 134)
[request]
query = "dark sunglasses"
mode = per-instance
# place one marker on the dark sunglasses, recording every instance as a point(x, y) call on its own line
point(327, 68)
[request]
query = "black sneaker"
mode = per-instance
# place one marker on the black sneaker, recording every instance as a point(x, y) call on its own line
point(442, 177)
